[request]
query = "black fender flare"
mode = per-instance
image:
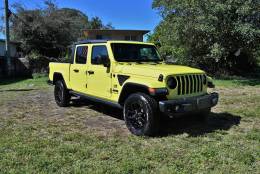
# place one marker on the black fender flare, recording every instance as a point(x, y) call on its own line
point(130, 88)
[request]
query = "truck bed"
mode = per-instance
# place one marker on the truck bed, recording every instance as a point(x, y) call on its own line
point(61, 68)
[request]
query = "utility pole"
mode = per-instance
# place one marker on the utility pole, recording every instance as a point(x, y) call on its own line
point(7, 40)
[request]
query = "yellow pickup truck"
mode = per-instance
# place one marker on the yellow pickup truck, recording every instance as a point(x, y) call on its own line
point(132, 76)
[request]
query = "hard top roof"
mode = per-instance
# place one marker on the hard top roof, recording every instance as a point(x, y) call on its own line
point(105, 41)
point(90, 42)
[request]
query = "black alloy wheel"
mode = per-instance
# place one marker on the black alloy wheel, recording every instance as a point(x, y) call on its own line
point(136, 115)
point(141, 114)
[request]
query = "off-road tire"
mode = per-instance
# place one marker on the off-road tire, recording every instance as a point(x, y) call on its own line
point(61, 94)
point(148, 115)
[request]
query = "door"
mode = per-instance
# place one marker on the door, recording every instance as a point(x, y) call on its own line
point(78, 75)
point(99, 80)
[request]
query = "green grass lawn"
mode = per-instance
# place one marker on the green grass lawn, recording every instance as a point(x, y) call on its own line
point(37, 81)
point(237, 82)
point(38, 137)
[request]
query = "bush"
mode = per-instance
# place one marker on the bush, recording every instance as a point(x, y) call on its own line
point(217, 36)
point(50, 29)
point(39, 63)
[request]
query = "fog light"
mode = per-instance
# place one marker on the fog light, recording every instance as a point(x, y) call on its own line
point(169, 110)
point(177, 107)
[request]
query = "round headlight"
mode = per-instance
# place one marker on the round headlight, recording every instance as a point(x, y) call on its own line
point(172, 83)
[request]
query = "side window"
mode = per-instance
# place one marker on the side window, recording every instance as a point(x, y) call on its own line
point(99, 53)
point(81, 55)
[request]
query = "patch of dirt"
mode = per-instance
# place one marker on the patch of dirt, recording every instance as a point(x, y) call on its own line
point(40, 105)
point(241, 90)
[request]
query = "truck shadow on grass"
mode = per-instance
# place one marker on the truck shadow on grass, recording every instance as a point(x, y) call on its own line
point(193, 127)
point(9, 81)
point(216, 122)
point(17, 90)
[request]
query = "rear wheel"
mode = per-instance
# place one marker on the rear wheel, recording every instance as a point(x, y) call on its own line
point(61, 94)
point(141, 115)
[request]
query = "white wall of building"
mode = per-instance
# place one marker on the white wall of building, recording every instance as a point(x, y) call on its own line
point(13, 50)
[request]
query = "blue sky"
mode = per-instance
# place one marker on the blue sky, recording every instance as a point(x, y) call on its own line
point(123, 14)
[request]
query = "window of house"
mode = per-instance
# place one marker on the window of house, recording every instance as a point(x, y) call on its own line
point(81, 55)
point(98, 53)
point(99, 37)
point(131, 38)
point(127, 37)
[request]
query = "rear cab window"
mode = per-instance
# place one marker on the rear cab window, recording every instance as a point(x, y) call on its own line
point(81, 55)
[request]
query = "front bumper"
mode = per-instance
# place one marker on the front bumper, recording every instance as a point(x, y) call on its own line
point(191, 104)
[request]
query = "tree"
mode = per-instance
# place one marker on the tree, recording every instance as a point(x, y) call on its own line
point(218, 36)
point(96, 23)
point(49, 30)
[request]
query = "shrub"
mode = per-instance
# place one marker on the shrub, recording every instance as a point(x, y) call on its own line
point(217, 36)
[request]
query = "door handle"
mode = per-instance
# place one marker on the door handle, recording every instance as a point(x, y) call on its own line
point(91, 72)
point(76, 70)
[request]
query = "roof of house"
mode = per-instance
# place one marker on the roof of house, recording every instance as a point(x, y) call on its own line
point(12, 42)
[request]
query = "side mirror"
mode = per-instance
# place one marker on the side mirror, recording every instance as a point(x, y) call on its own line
point(103, 60)
point(106, 62)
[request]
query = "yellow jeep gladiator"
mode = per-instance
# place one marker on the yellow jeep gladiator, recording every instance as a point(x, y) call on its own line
point(132, 76)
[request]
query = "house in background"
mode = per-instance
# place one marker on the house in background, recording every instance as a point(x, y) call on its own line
point(130, 35)
point(14, 49)
point(15, 54)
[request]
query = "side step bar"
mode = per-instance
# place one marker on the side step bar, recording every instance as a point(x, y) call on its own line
point(95, 99)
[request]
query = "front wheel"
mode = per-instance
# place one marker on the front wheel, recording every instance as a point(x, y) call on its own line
point(141, 115)
point(61, 94)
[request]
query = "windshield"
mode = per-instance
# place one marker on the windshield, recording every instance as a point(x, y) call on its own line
point(124, 52)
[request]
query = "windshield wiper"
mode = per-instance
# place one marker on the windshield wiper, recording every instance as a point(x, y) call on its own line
point(156, 61)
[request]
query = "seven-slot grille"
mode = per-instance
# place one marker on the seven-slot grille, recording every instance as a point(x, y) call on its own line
point(189, 84)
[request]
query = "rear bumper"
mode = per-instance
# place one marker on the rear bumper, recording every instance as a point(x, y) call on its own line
point(191, 104)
